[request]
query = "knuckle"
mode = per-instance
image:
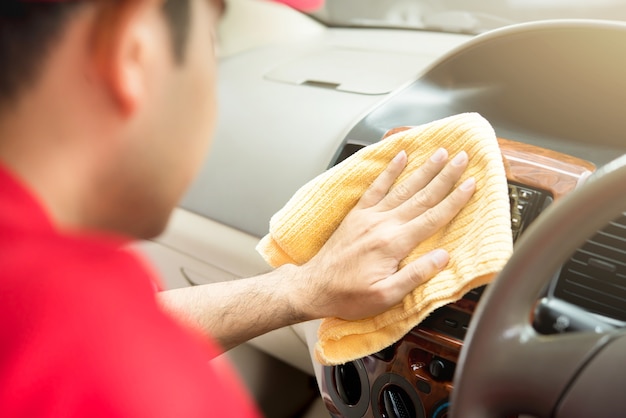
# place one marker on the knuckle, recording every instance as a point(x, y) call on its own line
point(402, 192)
point(422, 271)
point(385, 239)
point(426, 198)
point(455, 202)
point(417, 273)
point(448, 178)
point(431, 219)
point(450, 175)
point(382, 296)
point(377, 187)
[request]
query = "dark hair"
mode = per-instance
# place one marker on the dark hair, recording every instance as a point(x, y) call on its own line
point(178, 15)
point(28, 30)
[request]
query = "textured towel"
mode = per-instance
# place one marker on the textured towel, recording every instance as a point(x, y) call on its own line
point(478, 239)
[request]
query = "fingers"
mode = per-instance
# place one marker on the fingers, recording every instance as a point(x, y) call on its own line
point(380, 188)
point(445, 205)
point(424, 202)
point(417, 181)
point(435, 190)
point(435, 218)
point(381, 185)
point(404, 281)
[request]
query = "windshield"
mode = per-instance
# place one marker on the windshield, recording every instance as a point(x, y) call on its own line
point(462, 16)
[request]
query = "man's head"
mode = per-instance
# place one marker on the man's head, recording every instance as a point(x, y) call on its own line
point(38, 24)
point(108, 106)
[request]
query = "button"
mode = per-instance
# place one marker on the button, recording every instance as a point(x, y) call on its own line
point(450, 322)
point(423, 386)
point(441, 369)
point(525, 194)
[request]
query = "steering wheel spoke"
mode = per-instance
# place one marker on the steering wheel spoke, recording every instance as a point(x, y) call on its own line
point(524, 365)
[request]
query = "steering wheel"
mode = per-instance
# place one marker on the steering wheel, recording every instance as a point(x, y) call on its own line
point(507, 368)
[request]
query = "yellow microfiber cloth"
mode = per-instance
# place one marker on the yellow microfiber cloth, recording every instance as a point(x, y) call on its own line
point(478, 239)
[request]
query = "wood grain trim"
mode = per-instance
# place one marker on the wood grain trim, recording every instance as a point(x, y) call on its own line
point(549, 170)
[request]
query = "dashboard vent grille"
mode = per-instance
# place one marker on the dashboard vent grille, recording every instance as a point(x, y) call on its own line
point(594, 278)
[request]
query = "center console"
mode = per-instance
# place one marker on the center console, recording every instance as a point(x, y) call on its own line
point(413, 377)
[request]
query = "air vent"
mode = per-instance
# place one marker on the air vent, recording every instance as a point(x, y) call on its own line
point(594, 278)
point(348, 386)
point(395, 397)
point(396, 403)
point(348, 383)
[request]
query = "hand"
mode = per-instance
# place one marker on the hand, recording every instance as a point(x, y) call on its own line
point(356, 273)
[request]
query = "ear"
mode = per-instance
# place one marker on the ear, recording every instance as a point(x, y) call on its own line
point(129, 41)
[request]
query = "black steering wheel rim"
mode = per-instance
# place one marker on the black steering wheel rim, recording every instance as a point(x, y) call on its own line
point(505, 366)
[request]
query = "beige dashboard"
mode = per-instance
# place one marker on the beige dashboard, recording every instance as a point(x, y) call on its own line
point(284, 116)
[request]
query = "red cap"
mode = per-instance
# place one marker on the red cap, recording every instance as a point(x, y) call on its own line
point(304, 5)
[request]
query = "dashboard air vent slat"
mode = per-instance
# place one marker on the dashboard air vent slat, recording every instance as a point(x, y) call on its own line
point(594, 278)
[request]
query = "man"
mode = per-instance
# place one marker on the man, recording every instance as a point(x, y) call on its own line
point(106, 108)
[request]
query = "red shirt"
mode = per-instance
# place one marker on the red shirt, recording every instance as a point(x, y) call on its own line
point(81, 334)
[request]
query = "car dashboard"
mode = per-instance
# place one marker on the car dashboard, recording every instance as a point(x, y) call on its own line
point(554, 93)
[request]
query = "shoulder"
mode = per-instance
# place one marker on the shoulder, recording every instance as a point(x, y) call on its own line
point(40, 265)
point(81, 325)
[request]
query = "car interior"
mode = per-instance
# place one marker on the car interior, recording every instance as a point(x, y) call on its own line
point(300, 92)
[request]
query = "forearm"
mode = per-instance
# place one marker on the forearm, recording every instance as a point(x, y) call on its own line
point(236, 311)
